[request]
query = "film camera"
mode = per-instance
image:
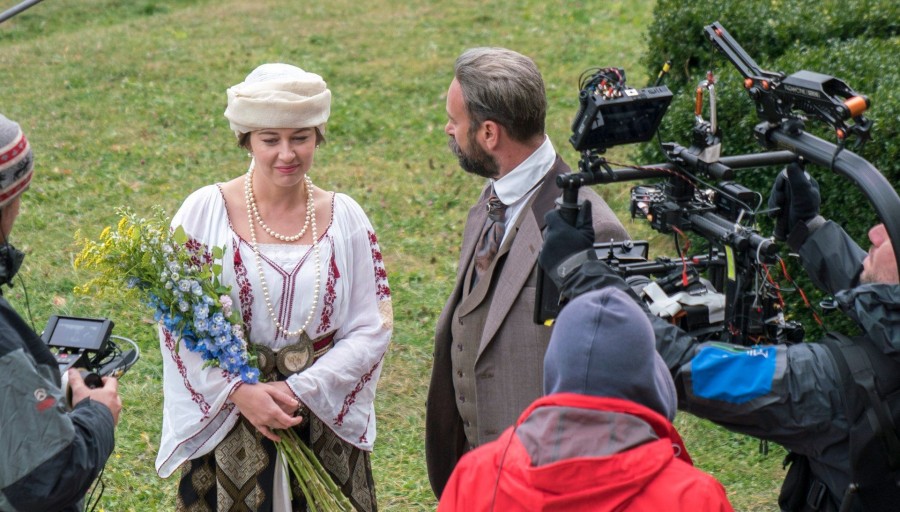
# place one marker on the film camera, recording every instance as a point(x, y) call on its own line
point(89, 345)
point(725, 292)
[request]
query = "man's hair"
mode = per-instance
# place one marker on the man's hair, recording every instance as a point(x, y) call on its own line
point(505, 87)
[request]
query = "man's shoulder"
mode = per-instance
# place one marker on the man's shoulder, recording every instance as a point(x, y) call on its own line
point(560, 166)
point(10, 338)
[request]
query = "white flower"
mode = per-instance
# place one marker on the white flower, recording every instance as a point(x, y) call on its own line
point(226, 304)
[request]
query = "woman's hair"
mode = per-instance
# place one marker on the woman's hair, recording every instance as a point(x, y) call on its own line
point(505, 87)
point(243, 140)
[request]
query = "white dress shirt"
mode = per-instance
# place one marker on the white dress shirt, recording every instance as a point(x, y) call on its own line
point(517, 187)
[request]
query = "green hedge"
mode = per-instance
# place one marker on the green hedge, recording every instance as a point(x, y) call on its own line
point(855, 41)
point(766, 29)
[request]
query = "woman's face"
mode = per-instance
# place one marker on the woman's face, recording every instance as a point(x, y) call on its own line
point(283, 155)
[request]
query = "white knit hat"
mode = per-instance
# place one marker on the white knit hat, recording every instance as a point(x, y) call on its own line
point(16, 161)
point(278, 95)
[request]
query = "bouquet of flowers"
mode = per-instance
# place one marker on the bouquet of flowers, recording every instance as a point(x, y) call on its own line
point(179, 278)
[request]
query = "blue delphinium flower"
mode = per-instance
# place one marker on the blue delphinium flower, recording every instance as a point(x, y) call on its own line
point(190, 343)
point(201, 310)
point(200, 324)
point(250, 375)
point(222, 341)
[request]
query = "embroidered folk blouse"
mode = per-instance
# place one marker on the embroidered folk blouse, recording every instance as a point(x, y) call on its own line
point(354, 303)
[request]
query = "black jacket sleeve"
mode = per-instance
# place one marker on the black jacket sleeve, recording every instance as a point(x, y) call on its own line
point(49, 455)
point(831, 258)
point(63, 480)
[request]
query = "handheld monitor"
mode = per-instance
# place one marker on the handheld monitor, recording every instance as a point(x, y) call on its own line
point(78, 333)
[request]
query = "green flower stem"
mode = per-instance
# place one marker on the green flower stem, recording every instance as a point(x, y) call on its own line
point(317, 485)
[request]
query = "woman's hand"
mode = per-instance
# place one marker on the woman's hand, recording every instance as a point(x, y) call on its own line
point(266, 406)
point(294, 406)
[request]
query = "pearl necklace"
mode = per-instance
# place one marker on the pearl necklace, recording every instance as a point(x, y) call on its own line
point(311, 217)
point(284, 238)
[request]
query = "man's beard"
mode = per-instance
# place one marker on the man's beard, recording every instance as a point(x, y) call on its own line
point(884, 274)
point(479, 162)
point(865, 278)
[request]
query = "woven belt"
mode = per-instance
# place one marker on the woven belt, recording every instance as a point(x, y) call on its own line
point(293, 358)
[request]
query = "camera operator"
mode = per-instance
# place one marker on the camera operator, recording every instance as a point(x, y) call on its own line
point(49, 455)
point(840, 433)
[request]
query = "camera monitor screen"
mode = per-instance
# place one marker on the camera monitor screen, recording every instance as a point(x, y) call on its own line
point(77, 333)
point(603, 123)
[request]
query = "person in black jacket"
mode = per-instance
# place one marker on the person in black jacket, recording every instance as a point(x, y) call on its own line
point(839, 427)
point(49, 454)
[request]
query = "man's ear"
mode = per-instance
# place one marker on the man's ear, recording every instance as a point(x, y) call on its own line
point(490, 133)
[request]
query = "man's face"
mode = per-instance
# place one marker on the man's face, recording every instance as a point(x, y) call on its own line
point(880, 266)
point(463, 140)
point(10, 212)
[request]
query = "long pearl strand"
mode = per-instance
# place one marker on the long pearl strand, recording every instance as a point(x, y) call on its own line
point(311, 207)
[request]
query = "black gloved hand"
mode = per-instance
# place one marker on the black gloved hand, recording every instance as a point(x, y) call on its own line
point(796, 194)
point(562, 239)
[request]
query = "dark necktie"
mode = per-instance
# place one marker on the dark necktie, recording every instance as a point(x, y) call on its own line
point(489, 243)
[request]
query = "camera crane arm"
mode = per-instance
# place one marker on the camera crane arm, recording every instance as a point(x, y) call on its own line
point(776, 96)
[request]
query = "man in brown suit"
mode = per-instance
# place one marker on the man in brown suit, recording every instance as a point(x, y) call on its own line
point(488, 356)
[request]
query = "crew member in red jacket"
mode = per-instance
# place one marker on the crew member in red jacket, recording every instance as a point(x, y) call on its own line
point(601, 438)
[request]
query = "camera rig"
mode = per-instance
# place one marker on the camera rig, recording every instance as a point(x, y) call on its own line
point(728, 292)
point(89, 345)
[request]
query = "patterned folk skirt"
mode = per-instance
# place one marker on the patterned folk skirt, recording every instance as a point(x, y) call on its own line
point(239, 474)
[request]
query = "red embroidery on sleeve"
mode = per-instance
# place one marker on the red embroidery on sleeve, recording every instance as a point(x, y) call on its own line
point(330, 295)
point(195, 396)
point(245, 293)
point(350, 399)
point(382, 290)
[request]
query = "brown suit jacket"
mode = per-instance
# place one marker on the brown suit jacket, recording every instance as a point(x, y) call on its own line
point(509, 364)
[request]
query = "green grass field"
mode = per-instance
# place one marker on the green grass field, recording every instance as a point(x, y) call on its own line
point(123, 100)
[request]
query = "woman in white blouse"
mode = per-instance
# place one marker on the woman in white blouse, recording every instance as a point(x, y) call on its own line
point(307, 275)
